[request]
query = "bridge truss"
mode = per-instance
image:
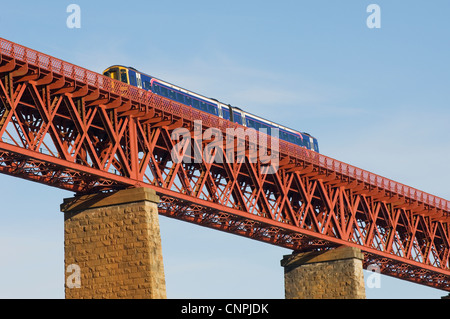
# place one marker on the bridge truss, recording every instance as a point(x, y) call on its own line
point(71, 128)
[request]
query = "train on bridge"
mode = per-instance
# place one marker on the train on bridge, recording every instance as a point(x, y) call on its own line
point(176, 93)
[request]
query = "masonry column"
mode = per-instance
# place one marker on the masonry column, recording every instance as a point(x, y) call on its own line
point(333, 274)
point(113, 241)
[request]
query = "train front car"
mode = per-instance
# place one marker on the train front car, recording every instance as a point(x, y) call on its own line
point(117, 72)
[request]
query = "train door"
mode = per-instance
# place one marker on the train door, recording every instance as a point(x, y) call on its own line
point(225, 112)
point(124, 76)
point(237, 117)
point(132, 78)
point(138, 80)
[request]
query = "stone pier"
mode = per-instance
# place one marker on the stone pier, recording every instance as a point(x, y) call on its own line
point(332, 274)
point(113, 246)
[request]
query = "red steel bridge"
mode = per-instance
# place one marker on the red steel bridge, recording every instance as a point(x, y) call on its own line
point(71, 128)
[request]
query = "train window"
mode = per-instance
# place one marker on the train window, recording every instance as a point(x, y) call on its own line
point(156, 88)
point(113, 73)
point(146, 85)
point(237, 118)
point(109, 74)
point(196, 104)
point(187, 100)
point(226, 113)
point(286, 136)
point(123, 76)
point(262, 126)
point(172, 95)
point(291, 138)
point(306, 141)
point(265, 127)
point(180, 98)
point(212, 109)
point(316, 146)
point(164, 91)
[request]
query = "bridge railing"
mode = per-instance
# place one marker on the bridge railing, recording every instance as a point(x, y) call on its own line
point(97, 80)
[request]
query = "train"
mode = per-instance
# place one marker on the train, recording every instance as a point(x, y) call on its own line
point(212, 106)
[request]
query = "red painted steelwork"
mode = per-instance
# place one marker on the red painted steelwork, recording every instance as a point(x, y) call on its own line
point(71, 128)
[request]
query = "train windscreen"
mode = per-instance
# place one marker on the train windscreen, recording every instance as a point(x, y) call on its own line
point(112, 73)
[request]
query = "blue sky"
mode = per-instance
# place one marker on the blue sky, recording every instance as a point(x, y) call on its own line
point(375, 98)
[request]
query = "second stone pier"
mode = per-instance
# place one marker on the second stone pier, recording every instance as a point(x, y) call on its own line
point(331, 274)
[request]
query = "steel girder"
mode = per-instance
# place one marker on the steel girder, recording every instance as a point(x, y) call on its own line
point(67, 127)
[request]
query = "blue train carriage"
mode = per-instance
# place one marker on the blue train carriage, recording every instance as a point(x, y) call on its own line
point(212, 106)
point(287, 134)
point(143, 81)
